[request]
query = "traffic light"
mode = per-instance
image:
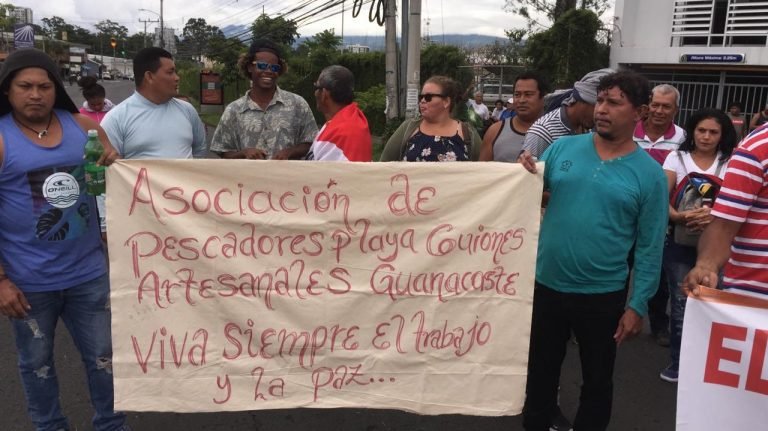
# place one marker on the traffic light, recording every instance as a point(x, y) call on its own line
point(113, 42)
point(123, 53)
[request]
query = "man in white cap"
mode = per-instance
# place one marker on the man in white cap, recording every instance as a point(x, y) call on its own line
point(509, 110)
point(573, 116)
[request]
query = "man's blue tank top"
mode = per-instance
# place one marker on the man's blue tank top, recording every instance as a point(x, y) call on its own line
point(49, 230)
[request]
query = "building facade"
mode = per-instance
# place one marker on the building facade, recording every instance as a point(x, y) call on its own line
point(169, 39)
point(22, 15)
point(714, 51)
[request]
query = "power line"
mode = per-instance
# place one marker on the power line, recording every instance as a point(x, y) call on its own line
point(307, 17)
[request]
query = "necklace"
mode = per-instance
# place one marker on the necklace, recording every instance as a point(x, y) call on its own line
point(40, 133)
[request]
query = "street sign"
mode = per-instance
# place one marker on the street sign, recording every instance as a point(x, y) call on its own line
point(211, 88)
point(712, 58)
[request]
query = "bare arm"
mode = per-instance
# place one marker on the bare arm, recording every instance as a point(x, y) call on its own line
point(246, 153)
point(713, 251)
point(110, 154)
point(486, 150)
point(291, 153)
point(13, 303)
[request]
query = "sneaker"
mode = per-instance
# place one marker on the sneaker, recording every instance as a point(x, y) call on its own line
point(560, 423)
point(669, 374)
point(662, 338)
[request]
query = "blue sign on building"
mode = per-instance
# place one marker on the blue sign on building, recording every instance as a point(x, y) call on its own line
point(712, 58)
point(23, 36)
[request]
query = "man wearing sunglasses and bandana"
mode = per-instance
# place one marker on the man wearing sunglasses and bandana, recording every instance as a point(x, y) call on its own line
point(268, 122)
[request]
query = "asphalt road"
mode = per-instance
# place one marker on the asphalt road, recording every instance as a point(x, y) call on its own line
point(642, 402)
point(117, 90)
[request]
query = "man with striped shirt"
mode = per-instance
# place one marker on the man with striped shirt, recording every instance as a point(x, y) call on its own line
point(575, 115)
point(738, 236)
point(658, 134)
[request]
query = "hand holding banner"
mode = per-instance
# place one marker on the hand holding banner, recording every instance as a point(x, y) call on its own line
point(723, 381)
point(243, 285)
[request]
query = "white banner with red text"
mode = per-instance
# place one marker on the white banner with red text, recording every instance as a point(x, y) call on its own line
point(245, 285)
point(723, 382)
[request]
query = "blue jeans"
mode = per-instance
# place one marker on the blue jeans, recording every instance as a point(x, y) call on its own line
point(678, 261)
point(84, 309)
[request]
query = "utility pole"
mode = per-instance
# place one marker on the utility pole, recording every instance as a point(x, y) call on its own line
point(162, 29)
point(342, 25)
point(413, 67)
point(391, 78)
point(145, 21)
point(403, 54)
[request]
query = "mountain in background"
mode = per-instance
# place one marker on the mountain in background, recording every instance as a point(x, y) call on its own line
point(376, 43)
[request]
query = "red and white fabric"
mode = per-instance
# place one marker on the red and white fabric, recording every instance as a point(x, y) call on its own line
point(345, 137)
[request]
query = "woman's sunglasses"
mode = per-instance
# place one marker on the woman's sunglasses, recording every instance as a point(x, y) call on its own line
point(263, 65)
point(428, 96)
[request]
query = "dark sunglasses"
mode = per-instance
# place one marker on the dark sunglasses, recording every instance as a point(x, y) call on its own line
point(263, 65)
point(428, 96)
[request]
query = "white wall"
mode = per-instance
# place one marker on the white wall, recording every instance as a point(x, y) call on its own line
point(646, 35)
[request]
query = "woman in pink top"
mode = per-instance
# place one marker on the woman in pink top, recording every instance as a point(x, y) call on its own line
point(96, 104)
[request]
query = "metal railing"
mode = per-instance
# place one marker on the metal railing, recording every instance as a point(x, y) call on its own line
point(697, 95)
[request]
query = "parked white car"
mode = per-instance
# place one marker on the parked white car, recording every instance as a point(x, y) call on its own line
point(106, 75)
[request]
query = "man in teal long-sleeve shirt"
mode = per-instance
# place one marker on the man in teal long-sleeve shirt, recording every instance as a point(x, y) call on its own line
point(606, 195)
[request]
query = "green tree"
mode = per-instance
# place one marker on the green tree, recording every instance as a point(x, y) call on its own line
point(279, 30)
point(6, 25)
point(55, 26)
point(445, 60)
point(322, 49)
point(81, 35)
point(198, 33)
point(372, 102)
point(367, 67)
point(6, 21)
point(225, 53)
point(108, 29)
point(552, 10)
point(136, 42)
point(112, 28)
point(569, 49)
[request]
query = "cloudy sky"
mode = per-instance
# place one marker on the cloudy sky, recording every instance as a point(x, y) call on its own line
point(444, 16)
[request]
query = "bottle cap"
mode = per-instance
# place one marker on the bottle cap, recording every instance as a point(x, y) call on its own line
point(92, 133)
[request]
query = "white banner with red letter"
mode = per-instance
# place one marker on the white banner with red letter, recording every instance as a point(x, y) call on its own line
point(244, 285)
point(723, 372)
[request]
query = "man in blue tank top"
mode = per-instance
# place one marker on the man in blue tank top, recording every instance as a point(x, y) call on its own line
point(51, 255)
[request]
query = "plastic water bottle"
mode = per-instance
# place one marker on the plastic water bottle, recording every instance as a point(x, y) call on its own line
point(95, 175)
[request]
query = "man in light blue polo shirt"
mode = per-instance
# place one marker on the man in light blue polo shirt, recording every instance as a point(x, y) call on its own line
point(152, 123)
